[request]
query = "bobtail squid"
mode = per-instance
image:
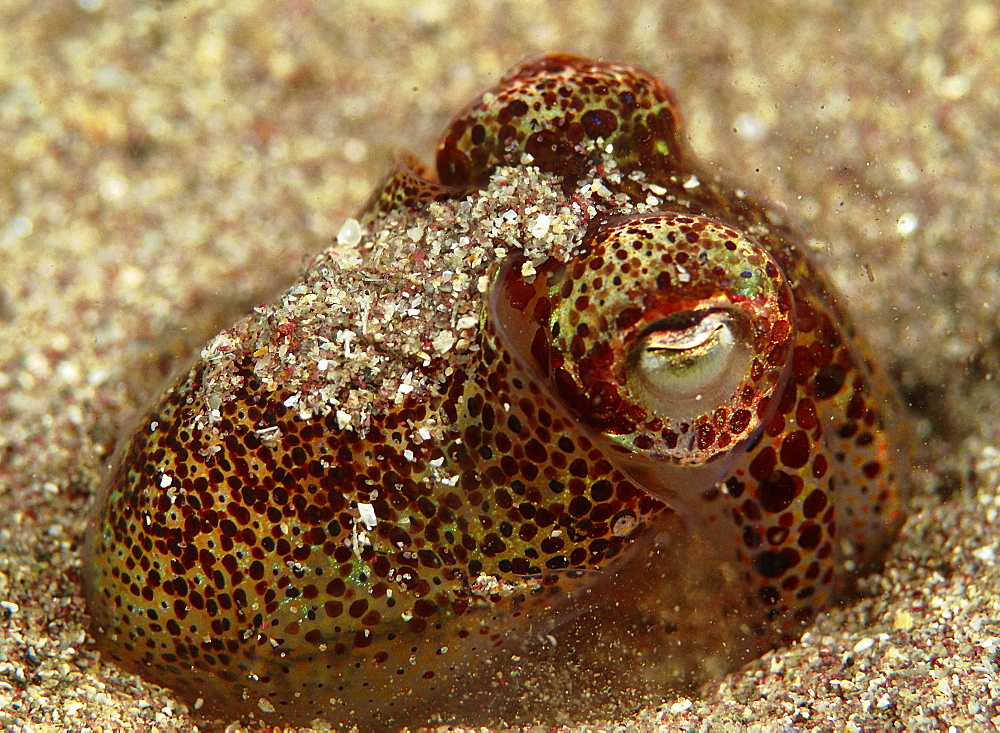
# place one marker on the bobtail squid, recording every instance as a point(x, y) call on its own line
point(567, 421)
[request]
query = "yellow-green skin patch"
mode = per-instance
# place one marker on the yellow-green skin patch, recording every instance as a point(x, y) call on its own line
point(573, 387)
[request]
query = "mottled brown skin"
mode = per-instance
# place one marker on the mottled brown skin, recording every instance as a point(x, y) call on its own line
point(228, 566)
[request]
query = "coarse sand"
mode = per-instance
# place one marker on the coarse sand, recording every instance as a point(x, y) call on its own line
point(166, 167)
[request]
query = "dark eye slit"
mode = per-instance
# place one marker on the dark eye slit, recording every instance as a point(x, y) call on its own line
point(681, 321)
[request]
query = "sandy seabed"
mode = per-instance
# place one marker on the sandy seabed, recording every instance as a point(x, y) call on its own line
point(165, 167)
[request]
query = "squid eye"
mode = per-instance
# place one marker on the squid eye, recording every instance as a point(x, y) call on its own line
point(689, 363)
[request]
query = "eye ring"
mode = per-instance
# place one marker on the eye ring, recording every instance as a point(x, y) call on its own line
point(672, 341)
point(689, 363)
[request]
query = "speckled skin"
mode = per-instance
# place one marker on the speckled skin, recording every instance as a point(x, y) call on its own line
point(663, 450)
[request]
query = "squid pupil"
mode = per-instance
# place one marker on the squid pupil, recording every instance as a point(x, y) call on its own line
point(681, 321)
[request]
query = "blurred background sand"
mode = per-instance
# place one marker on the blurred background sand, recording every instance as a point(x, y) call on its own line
point(165, 167)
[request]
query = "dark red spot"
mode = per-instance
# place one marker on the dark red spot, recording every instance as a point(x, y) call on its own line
point(601, 490)
point(775, 563)
point(829, 380)
point(579, 506)
point(763, 463)
point(802, 365)
point(734, 487)
point(578, 468)
point(628, 317)
point(424, 608)
point(706, 437)
point(739, 421)
point(751, 510)
point(535, 451)
point(599, 123)
point(776, 492)
point(492, 545)
point(814, 503)
point(856, 407)
point(517, 108)
point(795, 449)
point(810, 537)
point(819, 467)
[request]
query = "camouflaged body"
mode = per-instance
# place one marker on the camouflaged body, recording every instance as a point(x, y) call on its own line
point(378, 558)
